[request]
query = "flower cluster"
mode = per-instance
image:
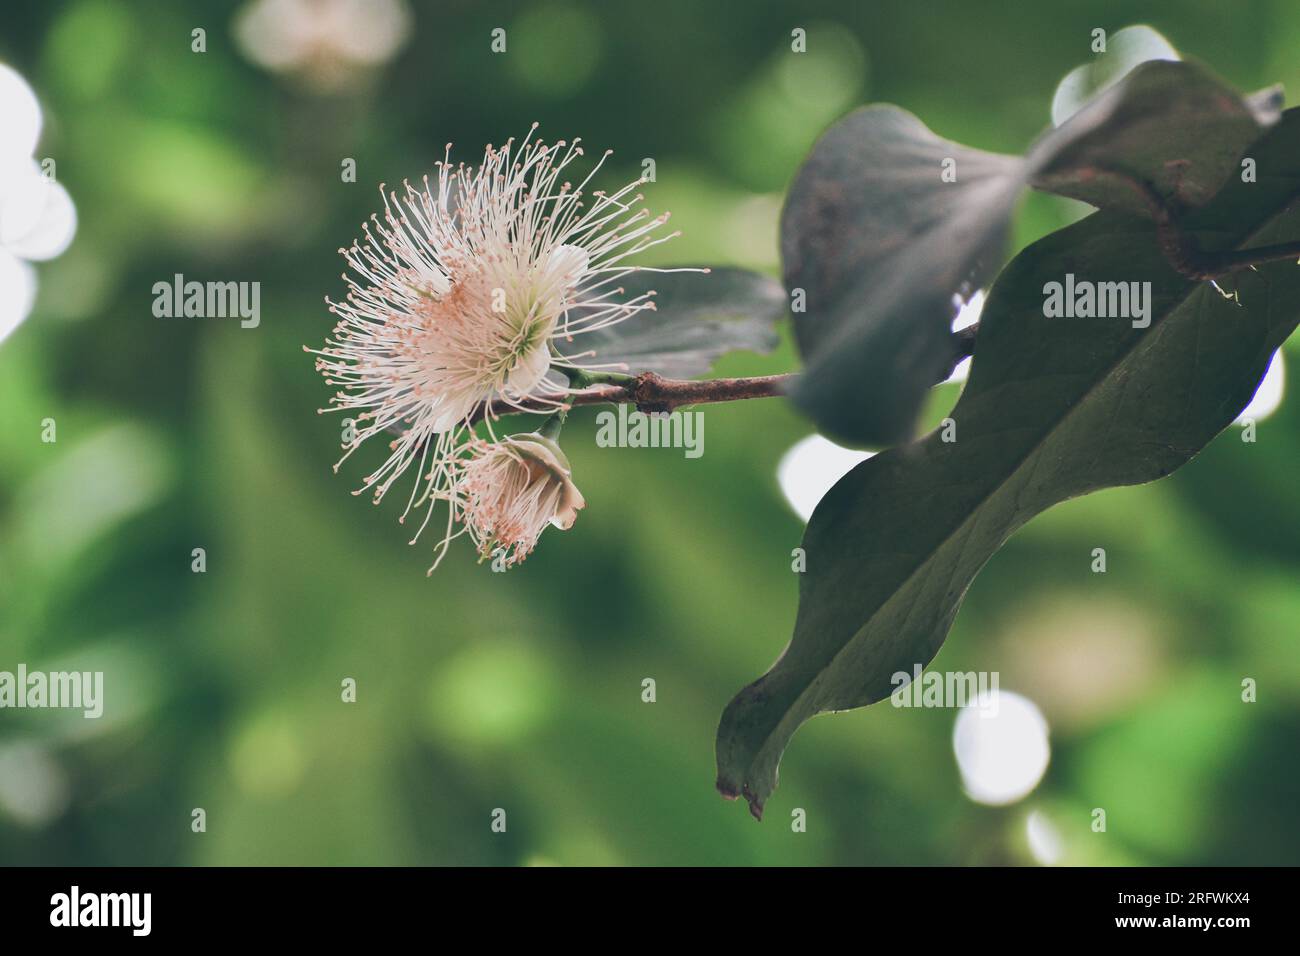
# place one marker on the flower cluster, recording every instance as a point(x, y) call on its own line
point(465, 303)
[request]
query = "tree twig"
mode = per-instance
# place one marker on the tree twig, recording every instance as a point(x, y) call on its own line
point(651, 392)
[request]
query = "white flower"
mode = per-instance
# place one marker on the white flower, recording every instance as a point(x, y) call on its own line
point(513, 489)
point(463, 296)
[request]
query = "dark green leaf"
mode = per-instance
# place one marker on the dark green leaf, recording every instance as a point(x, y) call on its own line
point(1172, 125)
point(880, 244)
point(697, 318)
point(1054, 408)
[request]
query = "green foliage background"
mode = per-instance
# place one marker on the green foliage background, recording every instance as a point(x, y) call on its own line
point(522, 691)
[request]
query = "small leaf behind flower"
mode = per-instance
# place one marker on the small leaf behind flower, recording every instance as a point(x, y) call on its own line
point(698, 317)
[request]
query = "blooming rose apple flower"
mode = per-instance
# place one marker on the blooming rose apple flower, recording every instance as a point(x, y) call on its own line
point(469, 299)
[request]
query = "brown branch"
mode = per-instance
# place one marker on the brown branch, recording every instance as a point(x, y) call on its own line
point(654, 393)
point(651, 392)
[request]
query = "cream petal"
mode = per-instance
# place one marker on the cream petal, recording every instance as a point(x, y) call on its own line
point(529, 371)
point(571, 502)
point(454, 409)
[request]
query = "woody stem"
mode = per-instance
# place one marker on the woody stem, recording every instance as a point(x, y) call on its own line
point(651, 392)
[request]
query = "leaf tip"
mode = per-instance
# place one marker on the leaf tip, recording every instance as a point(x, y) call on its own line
point(730, 791)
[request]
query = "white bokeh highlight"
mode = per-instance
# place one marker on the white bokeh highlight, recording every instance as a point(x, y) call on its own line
point(811, 468)
point(1001, 747)
point(20, 115)
point(37, 217)
point(17, 293)
point(1044, 839)
point(34, 789)
point(1269, 394)
point(967, 315)
point(323, 41)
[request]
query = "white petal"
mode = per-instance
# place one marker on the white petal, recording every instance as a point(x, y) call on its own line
point(532, 368)
point(571, 502)
point(454, 409)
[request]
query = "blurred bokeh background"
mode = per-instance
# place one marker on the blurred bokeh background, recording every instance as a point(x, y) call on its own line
point(523, 690)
